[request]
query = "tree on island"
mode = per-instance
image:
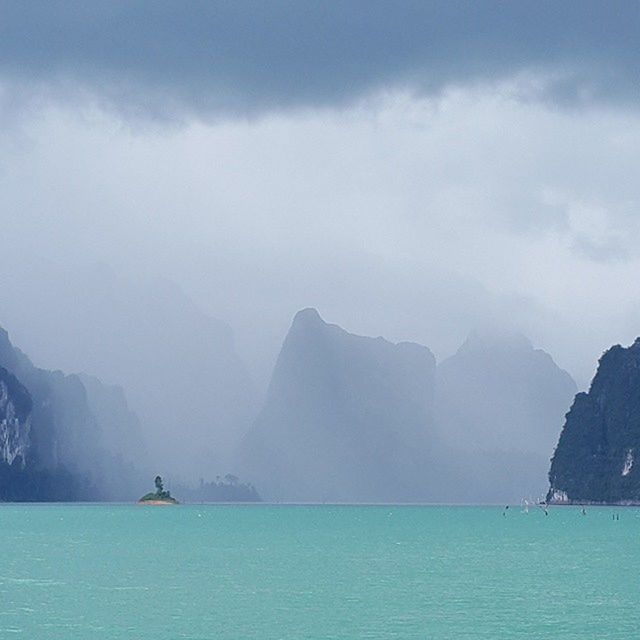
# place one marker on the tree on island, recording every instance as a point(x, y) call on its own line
point(160, 492)
point(159, 495)
point(231, 479)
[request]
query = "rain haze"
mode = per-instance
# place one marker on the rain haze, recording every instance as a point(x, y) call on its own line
point(178, 181)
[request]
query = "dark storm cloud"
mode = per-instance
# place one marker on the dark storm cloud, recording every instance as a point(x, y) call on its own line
point(250, 56)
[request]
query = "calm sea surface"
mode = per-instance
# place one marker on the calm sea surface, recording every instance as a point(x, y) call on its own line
point(294, 572)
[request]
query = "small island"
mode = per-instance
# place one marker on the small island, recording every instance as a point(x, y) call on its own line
point(159, 496)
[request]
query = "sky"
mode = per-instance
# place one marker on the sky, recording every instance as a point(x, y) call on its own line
point(415, 170)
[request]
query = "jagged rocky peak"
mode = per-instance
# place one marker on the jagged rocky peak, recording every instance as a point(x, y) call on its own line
point(10, 357)
point(308, 316)
point(346, 417)
point(308, 323)
point(500, 393)
point(15, 419)
point(596, 459)
point(495, 340)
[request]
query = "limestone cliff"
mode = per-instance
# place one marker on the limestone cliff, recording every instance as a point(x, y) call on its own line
point(346, 419)
point(53, 444)
point(596, 457)
point(500, 405)
point(15, 420)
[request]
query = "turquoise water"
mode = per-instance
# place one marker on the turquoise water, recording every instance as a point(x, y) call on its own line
point(295, 572)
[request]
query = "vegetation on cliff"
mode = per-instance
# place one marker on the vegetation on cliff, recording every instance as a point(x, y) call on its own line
point(596, 456)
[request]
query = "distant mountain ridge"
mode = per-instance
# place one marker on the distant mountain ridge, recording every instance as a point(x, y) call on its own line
point(344, 417)
point(51, 442)
point(120, 428)
point(178, 365)
point(347, 418)
point(500, 404)
point(352, 418)
point(596, 460)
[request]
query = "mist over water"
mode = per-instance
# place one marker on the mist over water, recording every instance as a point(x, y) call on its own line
point(195, 407)
point(167, 210)
point(346, 418)
point(181, 375)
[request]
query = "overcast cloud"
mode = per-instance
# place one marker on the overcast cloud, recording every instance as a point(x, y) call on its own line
point(414, 170)
point(177, 59)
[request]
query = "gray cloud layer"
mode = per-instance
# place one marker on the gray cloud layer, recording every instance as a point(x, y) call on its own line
point(171, 58)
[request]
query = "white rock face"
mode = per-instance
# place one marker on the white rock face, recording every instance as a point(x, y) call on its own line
point(628, 463)
point(559, 496)
point(14, 433)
